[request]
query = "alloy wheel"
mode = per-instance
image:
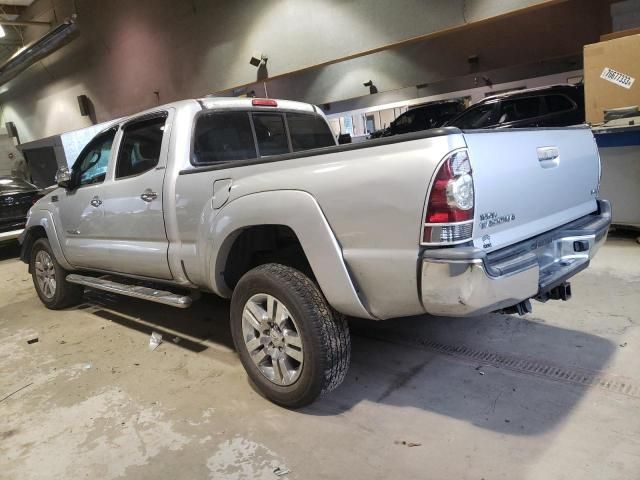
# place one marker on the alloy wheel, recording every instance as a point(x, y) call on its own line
point(45, 274)
point(272, 338)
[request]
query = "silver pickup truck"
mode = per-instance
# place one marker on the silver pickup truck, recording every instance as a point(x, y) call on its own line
point(251, 199)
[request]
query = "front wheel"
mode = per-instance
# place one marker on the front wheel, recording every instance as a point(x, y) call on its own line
point(49, 278)
point(291, 343)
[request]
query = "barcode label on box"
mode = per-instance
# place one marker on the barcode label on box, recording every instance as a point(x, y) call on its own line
point(621, 79)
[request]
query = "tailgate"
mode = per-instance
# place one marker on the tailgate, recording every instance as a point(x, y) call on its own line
point(530, 181)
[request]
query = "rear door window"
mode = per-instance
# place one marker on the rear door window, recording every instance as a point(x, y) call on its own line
point(140, 147)
point(271, 134)
point(308, 132)
point(223, 137)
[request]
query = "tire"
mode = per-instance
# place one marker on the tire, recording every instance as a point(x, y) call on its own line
point(322, 334)
point(54, 295)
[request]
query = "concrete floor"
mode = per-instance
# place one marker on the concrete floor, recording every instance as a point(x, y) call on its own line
point(555, 395)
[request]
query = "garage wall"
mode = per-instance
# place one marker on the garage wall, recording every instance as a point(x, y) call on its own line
point(11, 160)
point(547, 42)
point(128, 50)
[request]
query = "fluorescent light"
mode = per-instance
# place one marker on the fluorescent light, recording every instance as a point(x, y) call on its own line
point(2, 33)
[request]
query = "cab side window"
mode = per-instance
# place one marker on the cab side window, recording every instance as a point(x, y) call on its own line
point(140, 147)
point(91, 166)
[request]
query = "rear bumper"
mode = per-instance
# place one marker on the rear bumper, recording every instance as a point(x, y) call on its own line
point(467, 281)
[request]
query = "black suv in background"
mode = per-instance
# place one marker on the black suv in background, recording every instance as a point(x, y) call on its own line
point(553, 106)
point(422, 117)
point(16, 198)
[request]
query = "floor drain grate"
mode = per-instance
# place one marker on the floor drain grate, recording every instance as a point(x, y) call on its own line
point(576, 376)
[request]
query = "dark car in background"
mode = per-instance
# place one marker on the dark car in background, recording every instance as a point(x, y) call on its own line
point(553, 106)
point(422, 117)
point(16, 198)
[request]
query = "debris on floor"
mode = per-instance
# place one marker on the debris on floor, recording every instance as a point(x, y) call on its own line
point(176, 340)
point(14, 392)
point(87, 366)
point(281, 471)
point(155, 340)
point(33, 340)
point(407, 444)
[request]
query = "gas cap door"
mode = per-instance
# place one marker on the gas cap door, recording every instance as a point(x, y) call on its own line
point(221, 189)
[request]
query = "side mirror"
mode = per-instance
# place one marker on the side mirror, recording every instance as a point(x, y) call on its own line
point(63, 177)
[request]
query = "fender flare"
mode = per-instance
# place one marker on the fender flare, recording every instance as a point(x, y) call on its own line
point(299, 211)
point(44, 219)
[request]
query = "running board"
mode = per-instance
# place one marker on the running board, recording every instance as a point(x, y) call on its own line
point(136, 291)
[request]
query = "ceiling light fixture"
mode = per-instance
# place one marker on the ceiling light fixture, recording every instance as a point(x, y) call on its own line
point(2, 32)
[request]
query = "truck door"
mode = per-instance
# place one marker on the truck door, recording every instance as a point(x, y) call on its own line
point(79, 211)
point(135, 238)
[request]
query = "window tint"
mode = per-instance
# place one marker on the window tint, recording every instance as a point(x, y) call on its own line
point(270, 134)
point(417, 121)
point(140, 147)
point(520, 109)
point(308, 131)
point(223, 137)
point(478, 117)
point(558, 103)
point(404, 120)
point(91, 166)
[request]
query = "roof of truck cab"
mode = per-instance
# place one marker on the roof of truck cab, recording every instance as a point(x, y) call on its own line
point(247, 103)
point(218, 103)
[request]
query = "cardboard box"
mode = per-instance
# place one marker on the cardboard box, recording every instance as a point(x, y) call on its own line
point(611, 76)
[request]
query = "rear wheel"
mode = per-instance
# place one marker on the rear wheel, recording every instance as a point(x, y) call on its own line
point(291, 343)
point(49, 278)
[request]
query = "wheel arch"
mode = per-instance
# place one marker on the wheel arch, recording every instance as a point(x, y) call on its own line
point(40, 225)
point(300, 213)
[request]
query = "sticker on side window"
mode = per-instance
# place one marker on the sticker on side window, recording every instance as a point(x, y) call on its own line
point(620, 79)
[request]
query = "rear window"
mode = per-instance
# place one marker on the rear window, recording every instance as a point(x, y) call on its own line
point(308, 132)
point(223, 137)
point(270, 134)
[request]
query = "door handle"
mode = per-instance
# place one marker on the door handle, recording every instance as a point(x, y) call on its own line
point(149, 196)
point(96, 202)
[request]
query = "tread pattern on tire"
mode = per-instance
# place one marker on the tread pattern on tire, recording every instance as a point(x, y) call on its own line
point(332, 328)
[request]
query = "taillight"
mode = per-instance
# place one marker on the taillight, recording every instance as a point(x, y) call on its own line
point(264, 102)
point(449, 213)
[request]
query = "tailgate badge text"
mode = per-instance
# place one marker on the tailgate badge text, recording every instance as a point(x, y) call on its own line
point(491, 219)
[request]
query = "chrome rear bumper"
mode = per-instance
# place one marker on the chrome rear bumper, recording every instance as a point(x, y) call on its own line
point(467, 281)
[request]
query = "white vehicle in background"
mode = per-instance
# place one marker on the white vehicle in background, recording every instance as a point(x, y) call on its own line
point(251, 199)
